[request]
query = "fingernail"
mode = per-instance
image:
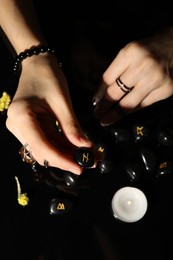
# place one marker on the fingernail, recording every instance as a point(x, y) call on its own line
point(110, 122)
point(85, 140)
point(99, 94)
point(95, 101)
point(75, 171)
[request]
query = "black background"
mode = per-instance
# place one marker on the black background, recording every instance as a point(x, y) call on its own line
point(86, 43)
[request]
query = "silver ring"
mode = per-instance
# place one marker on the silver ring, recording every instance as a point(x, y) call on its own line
point(46, 164)
point(122, 86)
point(26, 154)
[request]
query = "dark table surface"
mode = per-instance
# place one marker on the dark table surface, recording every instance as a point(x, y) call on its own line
point(89, 230)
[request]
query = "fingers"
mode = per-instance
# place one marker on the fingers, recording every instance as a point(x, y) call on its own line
point(121, 72)
point(40, 134)
point(159, 94)
point(37, 104)
point(42, 149)
point(133, 80)
point(130, 103)
point(68, 122)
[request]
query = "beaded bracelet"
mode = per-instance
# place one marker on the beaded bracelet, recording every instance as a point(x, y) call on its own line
point(28, 53)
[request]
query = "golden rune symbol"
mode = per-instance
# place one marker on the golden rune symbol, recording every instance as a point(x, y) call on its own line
point(85, 157)
point(140, 130)
point(61, 206)
point(101, 149)
point(163, 165)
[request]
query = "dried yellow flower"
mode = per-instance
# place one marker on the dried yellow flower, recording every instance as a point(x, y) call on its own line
point(21, 197)
point(4, 101)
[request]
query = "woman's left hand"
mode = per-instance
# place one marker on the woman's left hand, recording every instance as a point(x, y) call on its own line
point(139, 76)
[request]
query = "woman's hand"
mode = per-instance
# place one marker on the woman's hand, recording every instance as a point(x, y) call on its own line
point(140, 75)
point(41, 99)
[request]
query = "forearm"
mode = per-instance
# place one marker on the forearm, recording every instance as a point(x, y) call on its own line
point(19, 22)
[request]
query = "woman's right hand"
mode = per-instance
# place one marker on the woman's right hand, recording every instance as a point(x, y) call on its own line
point(42, 98)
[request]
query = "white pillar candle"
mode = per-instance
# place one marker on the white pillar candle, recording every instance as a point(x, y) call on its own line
point(129, 204)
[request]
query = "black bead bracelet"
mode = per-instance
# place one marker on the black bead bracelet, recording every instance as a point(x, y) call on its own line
point(28, 53)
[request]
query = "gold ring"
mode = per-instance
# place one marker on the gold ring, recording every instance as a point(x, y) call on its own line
point(122, 86)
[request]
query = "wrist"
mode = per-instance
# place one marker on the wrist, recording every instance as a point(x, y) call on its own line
point(35, 50)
